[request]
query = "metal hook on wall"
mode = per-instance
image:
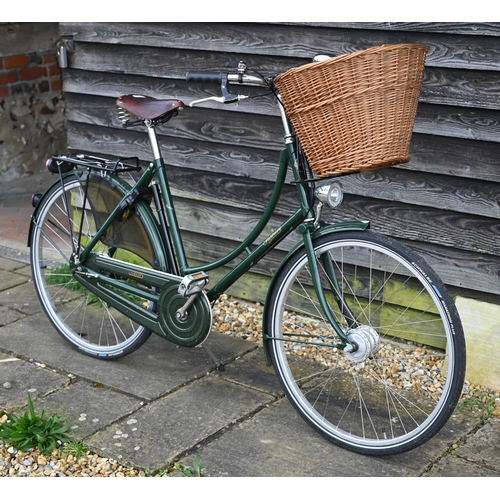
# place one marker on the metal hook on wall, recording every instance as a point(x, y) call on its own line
point(64, 46)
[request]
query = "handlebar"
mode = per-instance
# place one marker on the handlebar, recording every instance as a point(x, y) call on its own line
point(204, 77)
point(213, 77)
point(223, 79)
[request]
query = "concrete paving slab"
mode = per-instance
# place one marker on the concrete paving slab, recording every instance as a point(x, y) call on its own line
point(277, 443)
point(454, 466)
point(153, 370)
point(14, 250)
point(154, 435)
point(478, 456)
point(88, 407)
point(251, 370)
point(483, 448)
point(164, 403)
point(12, 265)
point(25, 271)
point(19, 378)
point(9, 279)
point(21, 298)
point(8, 315)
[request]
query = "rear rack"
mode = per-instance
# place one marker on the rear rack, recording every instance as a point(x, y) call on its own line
point(67, 162)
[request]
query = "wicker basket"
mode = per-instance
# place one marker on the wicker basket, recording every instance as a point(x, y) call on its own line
point(355, 112)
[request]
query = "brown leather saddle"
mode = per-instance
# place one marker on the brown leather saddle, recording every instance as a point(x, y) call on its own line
point(148, 108)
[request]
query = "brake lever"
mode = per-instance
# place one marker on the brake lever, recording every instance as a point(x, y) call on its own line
point(212, 98)
point(227, 97)
point(222, 100)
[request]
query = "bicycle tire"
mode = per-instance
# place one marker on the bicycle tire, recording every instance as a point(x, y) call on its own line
point(372, 402)
point(83, 319)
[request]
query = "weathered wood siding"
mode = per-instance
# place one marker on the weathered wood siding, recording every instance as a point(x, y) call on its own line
point(222, 159)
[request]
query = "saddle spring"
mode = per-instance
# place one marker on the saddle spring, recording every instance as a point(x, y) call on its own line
point(124, 116)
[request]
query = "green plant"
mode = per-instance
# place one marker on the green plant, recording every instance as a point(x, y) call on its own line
point(62, 276)
point(484, 404)
point(30, 431)
point(190, 471)
point(76, 448)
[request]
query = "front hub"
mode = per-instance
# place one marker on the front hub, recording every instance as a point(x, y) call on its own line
point(367, 342)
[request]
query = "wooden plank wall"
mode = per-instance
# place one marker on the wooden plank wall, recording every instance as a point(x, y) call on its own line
point(222, 159)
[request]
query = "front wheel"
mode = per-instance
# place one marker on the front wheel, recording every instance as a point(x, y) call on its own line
point(402, 380)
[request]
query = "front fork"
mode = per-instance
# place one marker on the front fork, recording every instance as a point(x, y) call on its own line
point(328, 268)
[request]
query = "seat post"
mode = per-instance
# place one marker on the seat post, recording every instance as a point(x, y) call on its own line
point(153, 140)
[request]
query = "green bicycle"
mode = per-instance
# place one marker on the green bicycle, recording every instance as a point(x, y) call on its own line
point(346, 310)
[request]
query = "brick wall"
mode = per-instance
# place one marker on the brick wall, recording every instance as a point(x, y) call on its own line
point(32, 121)
point(29, 73)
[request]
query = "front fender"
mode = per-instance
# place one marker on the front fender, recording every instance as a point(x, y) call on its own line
point(339, 227)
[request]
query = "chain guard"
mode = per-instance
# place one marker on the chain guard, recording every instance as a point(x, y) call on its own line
point(189, 331)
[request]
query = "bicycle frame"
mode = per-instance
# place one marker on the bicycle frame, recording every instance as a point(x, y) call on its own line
point(157, 168)
point(304, 219)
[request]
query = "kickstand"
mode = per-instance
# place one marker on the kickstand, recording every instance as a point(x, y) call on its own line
point(219, 365)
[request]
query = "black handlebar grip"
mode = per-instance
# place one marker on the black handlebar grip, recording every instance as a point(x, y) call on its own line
point(204, 77)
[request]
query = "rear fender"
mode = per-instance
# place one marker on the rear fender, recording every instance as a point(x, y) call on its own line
point(123, 188)
point(34, 216)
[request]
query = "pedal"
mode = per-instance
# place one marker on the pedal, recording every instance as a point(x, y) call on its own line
point(190, 287)
point(193, 284)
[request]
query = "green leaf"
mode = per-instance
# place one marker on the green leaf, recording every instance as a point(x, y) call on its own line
point(31, 431)
point(196, 465)
point(32, 408)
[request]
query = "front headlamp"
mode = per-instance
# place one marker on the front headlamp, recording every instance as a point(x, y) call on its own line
point(330, 194)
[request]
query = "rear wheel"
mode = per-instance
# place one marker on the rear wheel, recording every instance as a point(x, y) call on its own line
point(402, 381)
point(86, 321)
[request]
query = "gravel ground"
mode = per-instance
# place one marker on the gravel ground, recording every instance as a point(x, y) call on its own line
point(60, 464)
point(234, 317)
